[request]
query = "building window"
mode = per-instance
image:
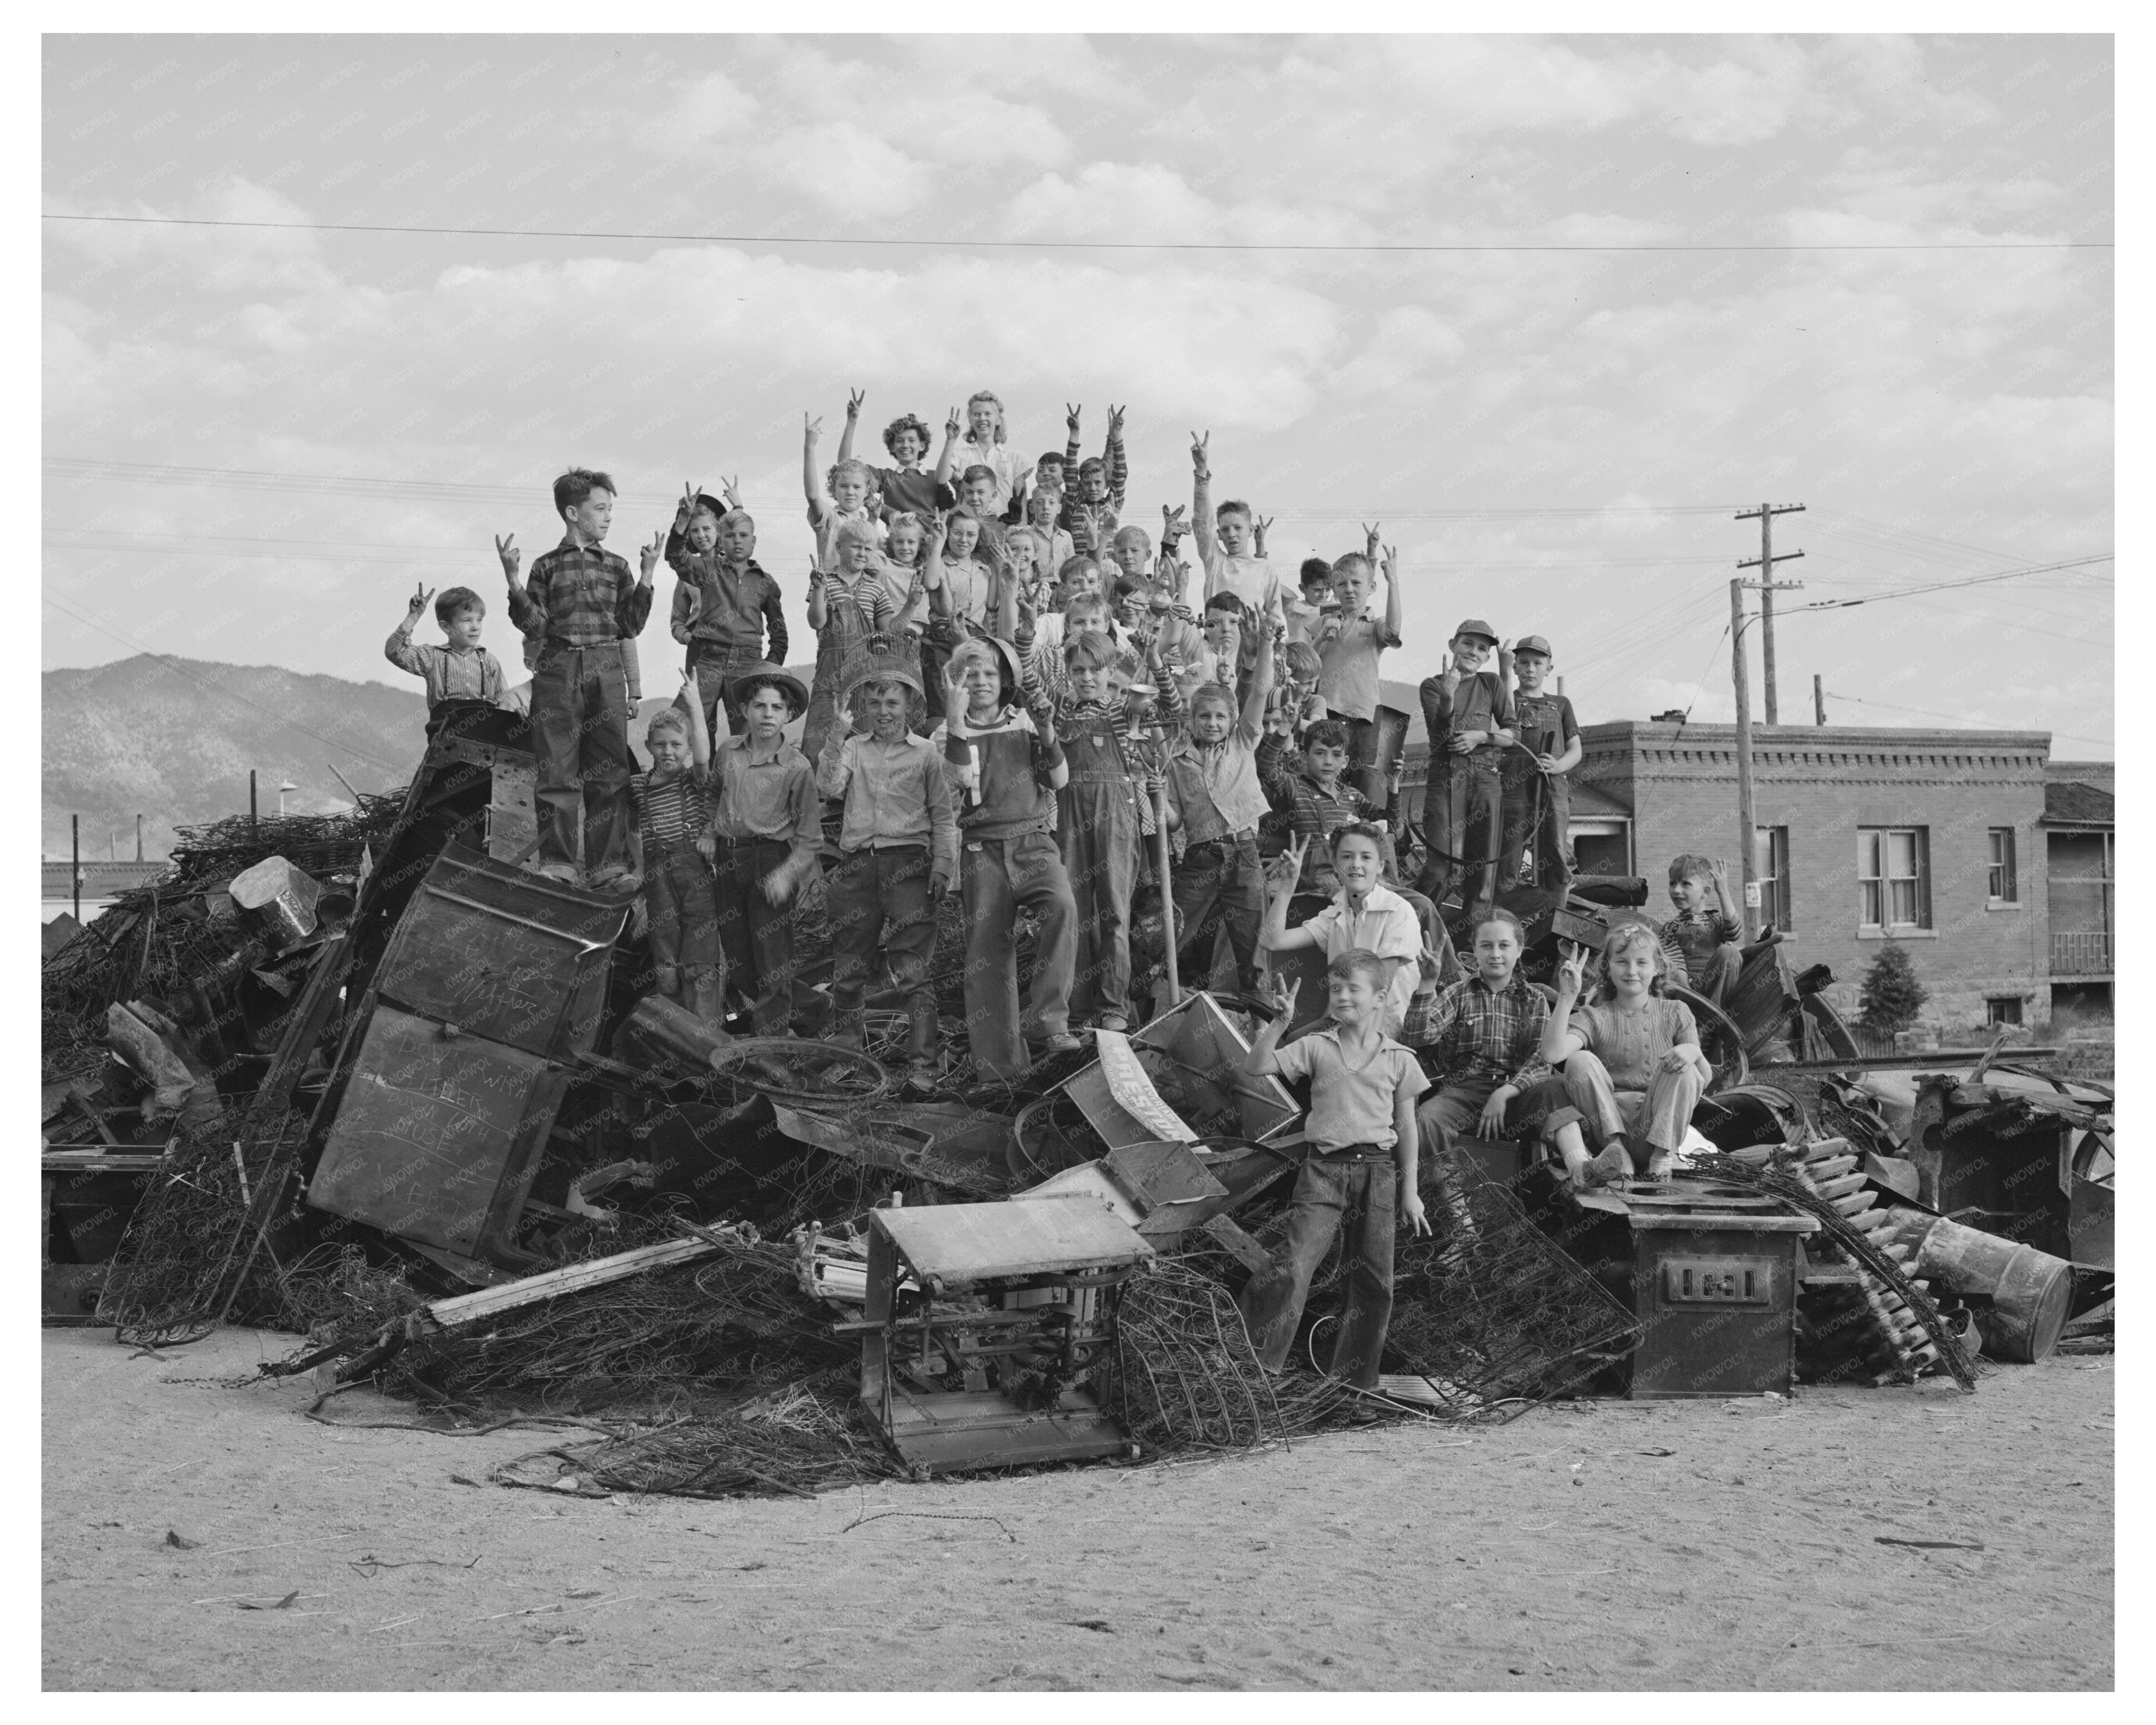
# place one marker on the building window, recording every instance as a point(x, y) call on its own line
point(2003, 1010)
point(1773, 854)
point(1893, 874)
point(2001, 888)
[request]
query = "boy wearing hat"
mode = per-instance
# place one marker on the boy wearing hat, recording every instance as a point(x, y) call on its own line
point(1468, 710)
point(725, 602)
point(898, 846)
point(762, 839)
point(1537, 801)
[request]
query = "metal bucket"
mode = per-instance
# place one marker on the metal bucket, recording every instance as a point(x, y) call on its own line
point(1384, 745)
point(2028, 1289)
point(279, 897)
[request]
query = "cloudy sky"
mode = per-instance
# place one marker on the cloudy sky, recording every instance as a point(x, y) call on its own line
point(1550, 309)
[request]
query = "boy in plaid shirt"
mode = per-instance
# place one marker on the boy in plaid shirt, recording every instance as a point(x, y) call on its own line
point(1484, 1036)
point(725, 602)
point(583, 613)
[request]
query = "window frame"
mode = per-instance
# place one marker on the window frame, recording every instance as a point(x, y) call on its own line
point(1771, 846)
point(1875, 845)
point(2002, 870)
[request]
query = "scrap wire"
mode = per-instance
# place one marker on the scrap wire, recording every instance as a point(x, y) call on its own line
point(1185, 1372)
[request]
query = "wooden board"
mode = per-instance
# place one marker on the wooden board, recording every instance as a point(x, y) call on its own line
point(965, 1242)
point(513, 819)
point(986, 1429)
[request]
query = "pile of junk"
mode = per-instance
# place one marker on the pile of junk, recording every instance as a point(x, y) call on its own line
point(367, 1079)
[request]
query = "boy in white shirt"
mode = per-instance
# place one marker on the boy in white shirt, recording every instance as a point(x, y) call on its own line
point(1227, 545)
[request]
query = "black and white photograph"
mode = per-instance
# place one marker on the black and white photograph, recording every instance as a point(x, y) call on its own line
point(1270, 853)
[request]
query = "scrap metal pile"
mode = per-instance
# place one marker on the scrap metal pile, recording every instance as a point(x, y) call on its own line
point(370, 1081)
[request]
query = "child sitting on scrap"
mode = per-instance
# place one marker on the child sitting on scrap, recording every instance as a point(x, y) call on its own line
point(1538, 800)
point(673, 805)
point(1467, 710)
point(460, 670)
point(1215, 799)
point(724, 602)
point(1483, 1033)
point(762, 839)
point(1005, 765)
point(1364, 912)
point(583, 614)
point(1633, 1070)
point(1702, 939)
point(1361, 1169)
point(897, 848)
point(846, 604)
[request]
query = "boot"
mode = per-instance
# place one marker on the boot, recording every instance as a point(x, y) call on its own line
point(923, 1070)
point(848, 1030)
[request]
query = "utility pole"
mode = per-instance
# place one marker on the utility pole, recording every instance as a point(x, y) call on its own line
point(1765, 565)
point(1746, 824)
point(1818, 700)
point(254, 814)
point(74, 826)
point(138, 838)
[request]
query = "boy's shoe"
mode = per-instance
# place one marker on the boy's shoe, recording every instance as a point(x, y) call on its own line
point(613, 877)
point(1112, 1021)
point(564, 872)
point(1364, 1412)
point(1062, 1042)
point(921, 1077)
point(1613, 1163)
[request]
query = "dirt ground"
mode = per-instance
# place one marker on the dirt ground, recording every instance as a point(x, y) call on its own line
point(1693, 1545)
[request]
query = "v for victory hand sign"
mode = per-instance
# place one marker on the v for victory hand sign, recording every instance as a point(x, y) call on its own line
point(418, 604)
point(510, 556)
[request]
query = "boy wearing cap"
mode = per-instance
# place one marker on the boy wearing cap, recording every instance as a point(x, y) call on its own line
point(898, 847)
point(1469, 711)
point(1536, 795)
point(762, 839)
point(724, 602)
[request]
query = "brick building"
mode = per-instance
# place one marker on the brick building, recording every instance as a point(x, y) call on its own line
point(1993, 865)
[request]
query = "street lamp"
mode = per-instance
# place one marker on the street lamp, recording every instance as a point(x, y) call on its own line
point(281, 789)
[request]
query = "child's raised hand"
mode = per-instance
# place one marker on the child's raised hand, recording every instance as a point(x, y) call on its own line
point(1571, 971)
point(1281, 992)
point(811, 428)
point(1115, 421)
point(1390, 561)
point(688, 503)
point(1071, 417)
point(951, 423)
point(855, 398)
point(731, 490)
point(1428, 965)
point(419, 598)
point(815, 573)
point(1298, 848)
point(1199, 447)
point(1370, 538)
point(510, 556)
point(688, 682)
point(1171, 521)
point(648, 555)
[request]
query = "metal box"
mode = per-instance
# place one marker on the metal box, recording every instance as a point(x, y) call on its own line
point(1714, 1281)
point(1181, 1078)
point(438, 1135)
point(504, 954)
point(1018, 1292)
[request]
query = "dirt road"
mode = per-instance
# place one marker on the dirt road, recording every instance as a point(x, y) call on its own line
point(1605, 1545)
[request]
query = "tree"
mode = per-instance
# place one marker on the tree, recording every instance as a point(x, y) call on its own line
point(1893, 996)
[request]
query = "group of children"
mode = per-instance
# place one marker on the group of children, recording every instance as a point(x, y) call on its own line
point(1017, 695)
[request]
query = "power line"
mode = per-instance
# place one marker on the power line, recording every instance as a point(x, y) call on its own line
point(170, 665)
point(1969, 581)
point(257, 479)
point(1105, 245)
point(1951, 718)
